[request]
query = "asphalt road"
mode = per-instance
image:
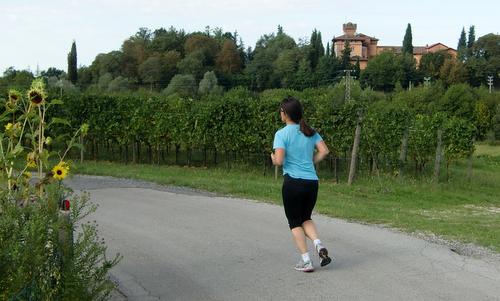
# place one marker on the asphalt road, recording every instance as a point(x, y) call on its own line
point(180, 244)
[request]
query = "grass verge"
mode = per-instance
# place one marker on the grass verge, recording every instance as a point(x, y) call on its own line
point(462, 209)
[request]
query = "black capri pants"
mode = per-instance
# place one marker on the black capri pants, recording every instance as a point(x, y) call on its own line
point(299, 198)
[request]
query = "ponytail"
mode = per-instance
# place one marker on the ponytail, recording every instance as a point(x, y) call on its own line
point(293, 109)
point(306, 129)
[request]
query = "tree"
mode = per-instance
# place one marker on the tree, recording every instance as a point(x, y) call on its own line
point(380, 72)
point(346, 56)
point(84, 77)
point(151, 71)
point(357, 69)
point(485, 60)
point(170, 61)
point(407, 41)
point(462, 45)
point(107, 63)
point(51, 72)
point(206, 45)
point(260, 70)
point(472, 37)
point(104, 81)
point(326, 70)
point(72, 64)
point(304, 76)
point(134, 53)
point(15, 79)
point(285, 67)
point(431, 63)
point(316, 48)
point(167, 40)
point(118, 84)
point(406, 70)
point(182, 84)
point(229, 60)
point(459, 100)
point(193, 64)
point(209, 84)
point(453, 72)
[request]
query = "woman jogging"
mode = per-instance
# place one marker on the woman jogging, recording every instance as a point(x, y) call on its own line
point(294, 149)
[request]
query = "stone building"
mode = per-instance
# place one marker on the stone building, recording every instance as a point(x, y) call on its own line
point(365, 47)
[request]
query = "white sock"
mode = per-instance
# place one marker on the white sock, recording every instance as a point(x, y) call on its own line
point(305, 257)
point(317, 242)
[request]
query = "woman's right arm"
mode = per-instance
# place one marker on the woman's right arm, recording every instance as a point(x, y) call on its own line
point(322, 151)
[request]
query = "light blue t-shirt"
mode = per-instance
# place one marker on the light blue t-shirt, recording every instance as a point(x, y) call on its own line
point(299, 151)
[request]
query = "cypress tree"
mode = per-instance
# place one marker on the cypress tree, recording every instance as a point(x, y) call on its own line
point(346, 56)
point(407, 41)
point(462, 45)
point(72, 69)
point(319, 45)
point(317, 49)
point(472, 37)
point(328, 49)
point(357, 69)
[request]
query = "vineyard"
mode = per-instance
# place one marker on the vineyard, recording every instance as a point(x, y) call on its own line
point(404, 132)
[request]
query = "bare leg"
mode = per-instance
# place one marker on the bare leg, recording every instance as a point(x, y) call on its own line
point(299, 238)
point(310, 230)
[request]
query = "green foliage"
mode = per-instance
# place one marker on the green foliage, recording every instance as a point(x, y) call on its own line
point(431, 63)
point(15, 79)
point(472, 37)
point(380, 72)
point(193, 64)
point(182, 84)
point(209, 84)
point(346, 56)
point(407, 41)
point(34, 264)
point(316, 48)
point(496, 123)
point(119, 84)
point(485, 60)
point(459, 135)
point(72, 64)
point(459, 100)
point(39, 260)
point(151, 70)
point(462, 45)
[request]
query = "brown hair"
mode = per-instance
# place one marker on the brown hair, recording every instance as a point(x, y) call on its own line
point(293, 109)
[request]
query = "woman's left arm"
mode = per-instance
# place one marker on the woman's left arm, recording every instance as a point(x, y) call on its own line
point(278, 156)
point(322, 151)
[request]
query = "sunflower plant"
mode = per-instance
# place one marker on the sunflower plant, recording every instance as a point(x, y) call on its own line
point(25, 134)
point(39, 258)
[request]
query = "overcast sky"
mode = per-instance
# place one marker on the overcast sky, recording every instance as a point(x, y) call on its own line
point(41, 32)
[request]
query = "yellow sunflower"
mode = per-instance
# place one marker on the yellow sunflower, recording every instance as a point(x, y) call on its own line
point(8, 126)
point(14, 97)
point(31, 160)
point(37, 92)
point(60, 171)
point(36, 97)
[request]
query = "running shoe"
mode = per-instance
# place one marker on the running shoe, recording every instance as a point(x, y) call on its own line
point(304, 266)
point(323, 255)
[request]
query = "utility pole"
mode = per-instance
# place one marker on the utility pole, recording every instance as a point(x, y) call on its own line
point(427, 80)
point(357, 133)
point(490, 81)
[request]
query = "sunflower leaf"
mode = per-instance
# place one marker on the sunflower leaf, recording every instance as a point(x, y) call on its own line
point(57, 120)
point(55, 102)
